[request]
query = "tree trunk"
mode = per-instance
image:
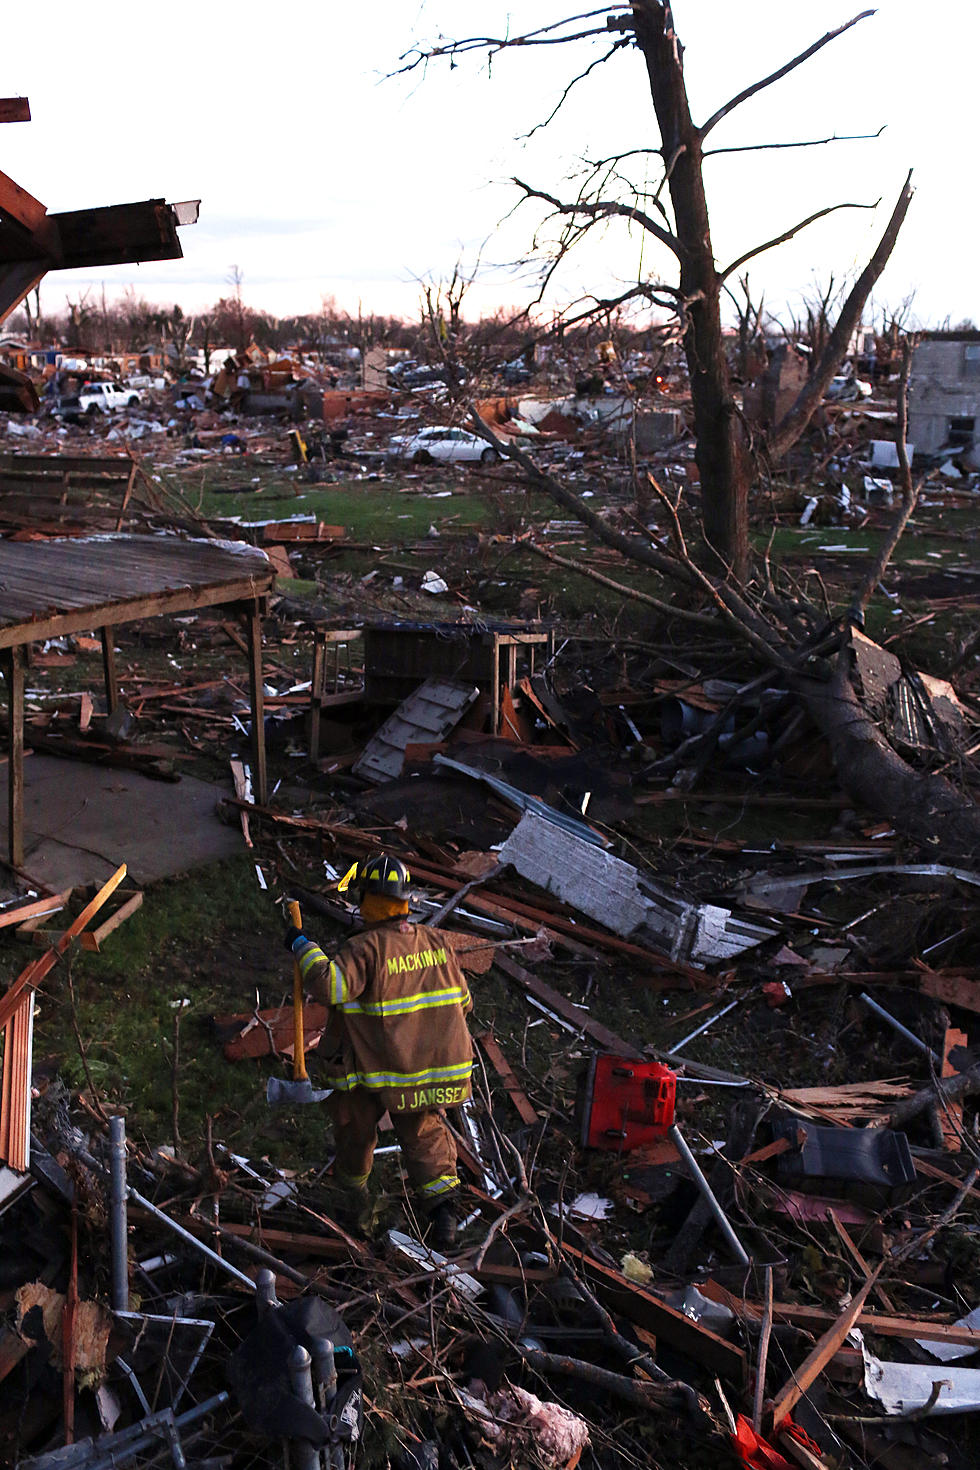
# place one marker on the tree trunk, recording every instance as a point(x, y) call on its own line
point(924, 807)
point(721, 453)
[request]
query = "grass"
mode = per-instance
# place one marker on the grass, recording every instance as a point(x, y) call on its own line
point(201, 945)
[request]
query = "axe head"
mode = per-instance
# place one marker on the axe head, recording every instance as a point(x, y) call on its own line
point(280, 1092)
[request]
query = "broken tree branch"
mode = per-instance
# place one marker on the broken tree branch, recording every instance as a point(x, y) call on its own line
point(604, 209)
point(788, 235)
point(788, 431)
point(910, 492)
point(804, 143)
point(776, 76)
point(704, 620)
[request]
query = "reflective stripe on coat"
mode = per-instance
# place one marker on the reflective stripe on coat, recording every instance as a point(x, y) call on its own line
point(401, 998)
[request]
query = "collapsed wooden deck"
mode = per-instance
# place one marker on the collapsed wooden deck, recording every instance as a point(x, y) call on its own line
point(52, 588)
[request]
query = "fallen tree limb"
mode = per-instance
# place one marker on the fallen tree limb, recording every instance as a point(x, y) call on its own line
point(942, 1090)
point(671, 1395)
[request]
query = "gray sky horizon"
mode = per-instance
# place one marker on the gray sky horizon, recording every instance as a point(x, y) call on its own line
point(321, 178)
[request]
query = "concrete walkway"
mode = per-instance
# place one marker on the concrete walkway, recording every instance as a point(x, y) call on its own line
point(81, 821)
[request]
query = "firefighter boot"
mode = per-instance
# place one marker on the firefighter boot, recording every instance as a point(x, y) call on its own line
point(354, 1209)
point(442, 1226)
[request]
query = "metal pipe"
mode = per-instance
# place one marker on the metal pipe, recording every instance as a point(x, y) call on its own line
point(910, 1036)
point(126, 1449)
point(204, 1250)
point(303, 1454)
point(325, 1370)
point(709, 1022)
point(265, 1291)
point(119, 1233)
point(134, 1196)
point(325, 1379)
point(721, 1219)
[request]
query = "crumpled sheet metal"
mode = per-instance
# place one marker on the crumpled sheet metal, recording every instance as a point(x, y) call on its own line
point(619, 896)
point(904, 1388)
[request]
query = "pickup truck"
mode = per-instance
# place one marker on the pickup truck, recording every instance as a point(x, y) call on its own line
point(106, 397)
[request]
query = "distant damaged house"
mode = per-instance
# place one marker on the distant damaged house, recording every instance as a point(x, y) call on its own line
point(944, 393)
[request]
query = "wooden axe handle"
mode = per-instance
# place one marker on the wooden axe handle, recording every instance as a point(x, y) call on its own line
point(299, 1039)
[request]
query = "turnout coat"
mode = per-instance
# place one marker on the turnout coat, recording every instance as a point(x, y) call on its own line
point(400, 998)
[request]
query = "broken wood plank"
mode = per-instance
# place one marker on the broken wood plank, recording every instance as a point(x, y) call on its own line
point(243, 793)
point(31, 977)
point(39, 909)
point(951, 1116)
point(124, 912)
point(554, 1001)
point(820, 1354)
point(849, 1245)
point(931, 1171)
point(952, 990)
point(645, 1309)
point(507, 1076)
point(930, 1325)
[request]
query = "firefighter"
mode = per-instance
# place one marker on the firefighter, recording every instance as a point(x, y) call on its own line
point(398, 999)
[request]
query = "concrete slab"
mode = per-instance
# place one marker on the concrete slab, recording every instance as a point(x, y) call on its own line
point(81, 821)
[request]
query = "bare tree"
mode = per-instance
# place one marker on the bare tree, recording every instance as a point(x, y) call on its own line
point(682, 231)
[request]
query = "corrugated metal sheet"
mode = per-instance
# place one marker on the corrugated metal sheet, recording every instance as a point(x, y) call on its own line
point(427, 715)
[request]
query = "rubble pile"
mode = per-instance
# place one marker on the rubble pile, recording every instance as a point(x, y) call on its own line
point(719, 1171)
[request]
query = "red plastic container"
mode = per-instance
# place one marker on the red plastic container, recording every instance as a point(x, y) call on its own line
point(627, 1103)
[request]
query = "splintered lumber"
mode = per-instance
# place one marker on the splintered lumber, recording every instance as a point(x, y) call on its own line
point(242, 792)
point(952, 990)
point(851, 1102)
point(554, 1001)
point(820, 1355)
point(31, 977)
point(930, 1171)
point(15, 1087)
point(505, 1072)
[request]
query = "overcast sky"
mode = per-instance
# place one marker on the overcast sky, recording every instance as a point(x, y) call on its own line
point(319, 177)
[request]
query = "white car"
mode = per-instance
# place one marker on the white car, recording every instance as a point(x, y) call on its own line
point(847, 389)
point(107, 397)
point(449, 446)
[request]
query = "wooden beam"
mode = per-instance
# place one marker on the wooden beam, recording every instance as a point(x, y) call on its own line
point(109, 670)
point(506, 1073)
point(253, 626)
point(110, 614)
point(17, 280)
point(15, 753)
point(556, 1002)
point(37, 910)
point(816, 1318)
point(647, 1310)
point(14, 109)
point(21, 206)
point(952, 990)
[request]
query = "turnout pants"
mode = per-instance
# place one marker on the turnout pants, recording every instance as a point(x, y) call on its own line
point(426, 1143)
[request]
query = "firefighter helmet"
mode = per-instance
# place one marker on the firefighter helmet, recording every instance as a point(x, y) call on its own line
point(384, 875)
